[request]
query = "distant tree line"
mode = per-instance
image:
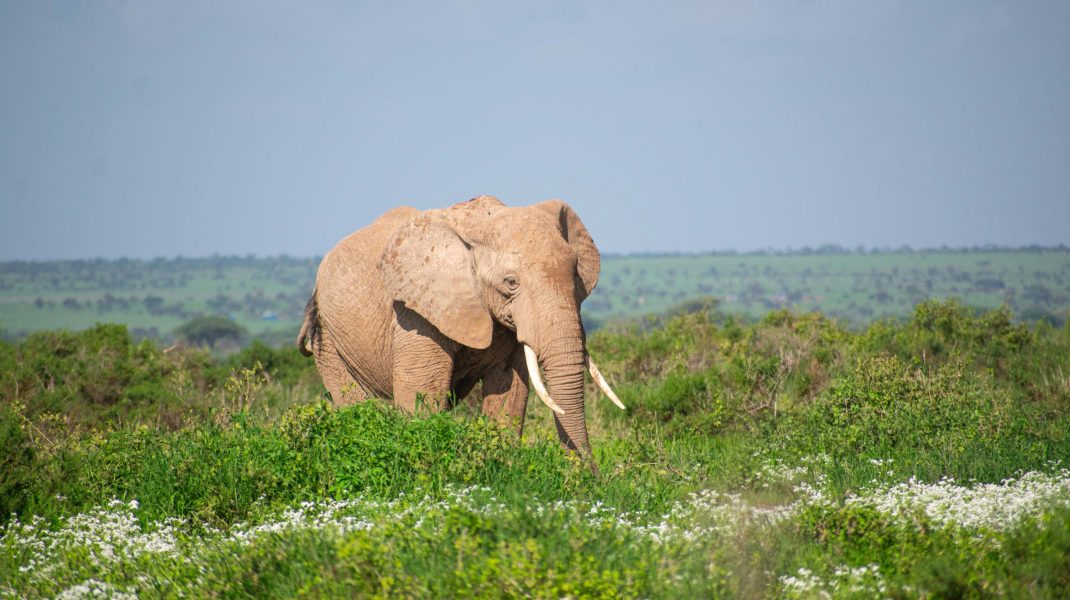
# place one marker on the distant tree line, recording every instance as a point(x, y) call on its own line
point(836, 249)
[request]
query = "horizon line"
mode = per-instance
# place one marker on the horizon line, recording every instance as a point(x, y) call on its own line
point(821, 250)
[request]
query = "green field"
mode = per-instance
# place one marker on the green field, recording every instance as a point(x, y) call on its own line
point(854, 287)
point(789, 457)
point(267, 295)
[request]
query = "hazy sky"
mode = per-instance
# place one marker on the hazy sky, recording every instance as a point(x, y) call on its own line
point(149, 129)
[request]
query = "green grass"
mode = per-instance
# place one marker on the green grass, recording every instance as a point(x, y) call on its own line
point(755, 460)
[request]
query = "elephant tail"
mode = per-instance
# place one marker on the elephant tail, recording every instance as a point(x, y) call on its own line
point(310, 329)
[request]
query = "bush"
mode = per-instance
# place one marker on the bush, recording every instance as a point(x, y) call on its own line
point(885, 404)
point(93, 376)
point(941, 329)
point(695, 400)
point(211, 331)
point(99, 377)
point(17, 457)
point(286, 366)
point(216, 473)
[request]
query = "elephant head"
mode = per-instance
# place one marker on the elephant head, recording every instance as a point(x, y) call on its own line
point(466, 267)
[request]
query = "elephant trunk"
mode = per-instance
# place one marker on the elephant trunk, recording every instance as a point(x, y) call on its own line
point(563, 360)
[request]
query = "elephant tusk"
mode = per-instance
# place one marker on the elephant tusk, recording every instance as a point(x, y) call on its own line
point(536, 381)
point(601, 381)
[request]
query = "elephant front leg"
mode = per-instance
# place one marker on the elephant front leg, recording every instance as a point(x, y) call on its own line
point(505, 392)
point(423, 364)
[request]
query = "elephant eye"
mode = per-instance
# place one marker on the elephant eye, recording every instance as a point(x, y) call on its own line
point(511, 282)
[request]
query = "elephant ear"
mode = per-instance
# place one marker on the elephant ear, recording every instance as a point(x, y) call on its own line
point(429, 267)
point(588, 259)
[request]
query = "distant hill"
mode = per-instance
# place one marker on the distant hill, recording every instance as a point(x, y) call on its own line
point(267, 295)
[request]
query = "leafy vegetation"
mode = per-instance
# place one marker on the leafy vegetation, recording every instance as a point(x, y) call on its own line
point(101, 377)
point(211, 331)
point(787, 457)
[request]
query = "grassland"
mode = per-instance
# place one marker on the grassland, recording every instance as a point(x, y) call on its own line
point(267, 295)
point(788, 457)
point(856, 288)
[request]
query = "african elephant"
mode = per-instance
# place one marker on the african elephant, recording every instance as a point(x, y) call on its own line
point(426, 304)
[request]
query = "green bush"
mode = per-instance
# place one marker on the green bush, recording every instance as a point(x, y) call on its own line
point(884, 404)
point(217, 472)
point(211, 331)
point(99, 377)
point(632, 353)
point(285, 366)
point(925, 559)
point(943, 329)
point(17, 460)
point(693, 400)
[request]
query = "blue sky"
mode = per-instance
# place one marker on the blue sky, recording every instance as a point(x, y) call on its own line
point(148, 129)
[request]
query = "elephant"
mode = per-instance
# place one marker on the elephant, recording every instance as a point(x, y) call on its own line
point(421, 306)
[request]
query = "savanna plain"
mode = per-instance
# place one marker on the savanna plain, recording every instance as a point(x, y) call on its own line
point(765, 451)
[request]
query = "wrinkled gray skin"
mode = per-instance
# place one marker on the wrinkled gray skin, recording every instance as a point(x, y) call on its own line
point(425, 303)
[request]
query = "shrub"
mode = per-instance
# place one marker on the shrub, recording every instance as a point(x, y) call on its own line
point(286, 366)
point(16, 460)
point(942, 329)
point(884, 404)
point(632, 353)
point(696, 398)
point(99, 377)
point(211, 331)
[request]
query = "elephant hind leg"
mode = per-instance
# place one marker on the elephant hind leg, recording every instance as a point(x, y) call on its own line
point(341, 385)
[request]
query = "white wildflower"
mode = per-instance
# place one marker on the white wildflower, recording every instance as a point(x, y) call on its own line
point(91, 588)
point(996, 507)
point(864, 581)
